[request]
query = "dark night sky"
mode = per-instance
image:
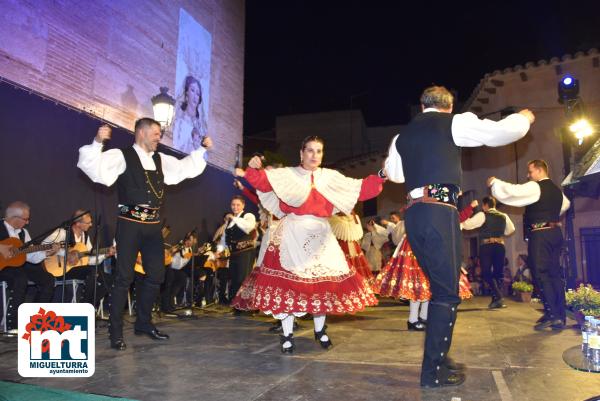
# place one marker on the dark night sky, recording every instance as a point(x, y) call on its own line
point(310, 56)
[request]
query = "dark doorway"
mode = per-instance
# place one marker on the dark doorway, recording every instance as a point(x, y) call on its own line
point(590, 244)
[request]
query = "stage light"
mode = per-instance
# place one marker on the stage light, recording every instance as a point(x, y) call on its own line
point(568, 89)
point(581, 128)
point(163, 105)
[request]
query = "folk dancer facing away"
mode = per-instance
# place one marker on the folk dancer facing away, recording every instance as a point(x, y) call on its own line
point(427, 156)
point(304, 269)
point(493, 227)
point(141, 174)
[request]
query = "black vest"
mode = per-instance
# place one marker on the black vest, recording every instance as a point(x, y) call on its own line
point(235, 234)
point(547, 208)
point(429, 154)
point(72, 237)
point(137, 186)
point(4, 232)
point(494, 225)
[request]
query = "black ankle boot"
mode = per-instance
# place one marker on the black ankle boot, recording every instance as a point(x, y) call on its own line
point(283, 339)
point(325, 344)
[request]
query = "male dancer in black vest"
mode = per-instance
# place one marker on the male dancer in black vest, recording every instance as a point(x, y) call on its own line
point(493, 227)
point(240, 237)
point(426, 155)
point(141, 174)
point(544, 203)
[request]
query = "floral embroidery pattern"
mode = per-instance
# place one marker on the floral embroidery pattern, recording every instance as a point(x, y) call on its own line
point(446, 193)
point(139, 213)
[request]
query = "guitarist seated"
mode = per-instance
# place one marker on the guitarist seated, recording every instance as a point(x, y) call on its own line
point(16, 217)
point(80, 266)
point(176, 275)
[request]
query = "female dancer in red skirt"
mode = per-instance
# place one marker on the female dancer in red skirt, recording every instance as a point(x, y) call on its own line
point(348, 231)
point(402, 278)
point(304, 270)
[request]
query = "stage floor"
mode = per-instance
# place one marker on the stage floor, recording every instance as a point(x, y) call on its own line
point(220, 356)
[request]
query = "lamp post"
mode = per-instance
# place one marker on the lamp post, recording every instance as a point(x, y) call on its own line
point(568, 94)
point(163, 105)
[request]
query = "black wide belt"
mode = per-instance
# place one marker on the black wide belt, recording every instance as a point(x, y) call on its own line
point(446, 194)
point(543, 225)
point(140, 214)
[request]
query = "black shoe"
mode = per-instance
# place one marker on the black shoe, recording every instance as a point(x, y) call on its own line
point(283, 339)
point(153, 334)
point(276, 328)
point(454, 366)
point(556, 324)
point(416, 326)
point(118, 344)
point(325, 344)
point(543, 318)
point(497, 304)
point(423, 321)
point(453, 379)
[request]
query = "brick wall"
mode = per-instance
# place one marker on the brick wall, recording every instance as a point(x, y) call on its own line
point(110, 57)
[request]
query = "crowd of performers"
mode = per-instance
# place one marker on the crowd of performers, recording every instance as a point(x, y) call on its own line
point(315, 257)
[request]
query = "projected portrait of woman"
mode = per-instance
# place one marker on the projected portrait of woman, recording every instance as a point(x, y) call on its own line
point(189, 125)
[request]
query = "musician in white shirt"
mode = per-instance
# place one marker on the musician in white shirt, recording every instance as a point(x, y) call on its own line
point(176, 275)
point(16, 217)
point(87, 273)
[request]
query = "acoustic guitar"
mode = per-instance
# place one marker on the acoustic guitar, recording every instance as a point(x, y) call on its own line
point(18, 255)
point(54, 263)
point(169, 256)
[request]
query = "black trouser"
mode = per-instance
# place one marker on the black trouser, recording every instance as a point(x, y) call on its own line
point(87, 274)
point(16, 279)
point(491, 257)
point(175, 280)
point(42, 279)
point(544, 260)
point(240, 266)
point(132, 238)
point(223, 277)
point(433, 233)
point(207, 284)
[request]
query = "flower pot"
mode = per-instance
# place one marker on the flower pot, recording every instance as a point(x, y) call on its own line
point(523, 296)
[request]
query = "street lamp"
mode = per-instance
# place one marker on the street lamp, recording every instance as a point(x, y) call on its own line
point(163, 105)
point(581, 128)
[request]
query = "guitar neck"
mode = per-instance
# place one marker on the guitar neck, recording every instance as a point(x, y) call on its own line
point(34, 248)
point(101, 251)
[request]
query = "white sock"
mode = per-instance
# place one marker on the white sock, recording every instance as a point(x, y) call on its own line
point(319, 324)
point(424, 308)
point(413, 311)
point(287, 324)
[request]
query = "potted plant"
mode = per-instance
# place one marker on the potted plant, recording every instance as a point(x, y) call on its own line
point(584, 301)
point(522, 290)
